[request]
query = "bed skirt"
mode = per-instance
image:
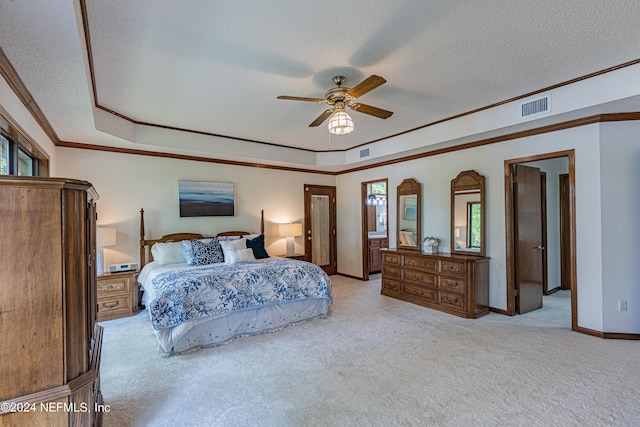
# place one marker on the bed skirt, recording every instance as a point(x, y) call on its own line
point(210, 332)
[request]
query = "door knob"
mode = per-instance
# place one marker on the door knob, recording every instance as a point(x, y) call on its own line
point(309, 238)
point(539, 247)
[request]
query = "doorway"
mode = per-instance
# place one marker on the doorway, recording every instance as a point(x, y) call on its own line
point(320, 226)
point(375, 235)
point(528, 248)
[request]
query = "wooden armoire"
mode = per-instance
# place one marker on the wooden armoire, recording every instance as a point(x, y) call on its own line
point(50, 342)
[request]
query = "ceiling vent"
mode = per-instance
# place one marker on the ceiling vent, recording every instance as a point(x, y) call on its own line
point(364, 153)
point(535, 107)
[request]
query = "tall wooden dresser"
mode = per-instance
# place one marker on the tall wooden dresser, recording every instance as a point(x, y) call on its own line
point(50, 342)
point(455, 284)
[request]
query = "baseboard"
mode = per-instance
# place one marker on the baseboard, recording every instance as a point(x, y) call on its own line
point(350, 276)
point(608, 335)
point(500, 311)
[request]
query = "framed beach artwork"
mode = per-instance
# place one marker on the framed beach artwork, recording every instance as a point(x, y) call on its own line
point(201, 198)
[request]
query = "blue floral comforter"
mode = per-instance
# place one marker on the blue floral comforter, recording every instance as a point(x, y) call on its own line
point(182, 296)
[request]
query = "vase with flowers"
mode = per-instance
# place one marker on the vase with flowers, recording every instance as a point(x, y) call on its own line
point(430, 244)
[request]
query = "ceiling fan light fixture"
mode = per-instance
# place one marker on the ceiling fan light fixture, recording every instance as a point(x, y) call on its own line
point(340, 123)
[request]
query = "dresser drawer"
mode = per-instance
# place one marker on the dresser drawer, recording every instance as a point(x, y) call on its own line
point(420, 291)
point(452, 284)
point(452, 267)
point(452, 300)
point(420, 277)
point(390, 285)
point(390, 258)
point(424, 263)
point(391, 271)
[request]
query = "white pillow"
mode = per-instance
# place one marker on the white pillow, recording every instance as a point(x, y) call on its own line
point(240, 255)
point(232, 245)
point(168, 253)
point(251, 236)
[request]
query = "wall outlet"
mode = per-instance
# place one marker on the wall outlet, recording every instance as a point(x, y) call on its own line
point(622, 305)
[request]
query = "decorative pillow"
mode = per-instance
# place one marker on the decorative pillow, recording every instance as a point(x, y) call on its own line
point(256, 244)
point(232, 245)
point(227, 238)
point(168, 253)
point(198, 252)
point(239, 255)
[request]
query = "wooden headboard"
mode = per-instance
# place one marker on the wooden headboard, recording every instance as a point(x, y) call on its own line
point(176, 237)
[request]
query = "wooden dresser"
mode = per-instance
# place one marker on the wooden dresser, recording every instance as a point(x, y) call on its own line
point(454, 284)
point(117, 295)
point(50, 343)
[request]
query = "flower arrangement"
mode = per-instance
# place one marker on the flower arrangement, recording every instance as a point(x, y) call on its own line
point(431, 241)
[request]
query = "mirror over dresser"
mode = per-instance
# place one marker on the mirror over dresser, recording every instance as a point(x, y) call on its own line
point(467, 214)
point(409, 210)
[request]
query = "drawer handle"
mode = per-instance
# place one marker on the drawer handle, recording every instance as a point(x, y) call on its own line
point(418, 292)
point(390, 286)
point(104, 305)
point(418, 277)
point(451, 284)
point(110, 286)
point(451, 300)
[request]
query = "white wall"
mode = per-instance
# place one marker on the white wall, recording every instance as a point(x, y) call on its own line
point(127, 183)
point(620, 172)
point(16, 109)
point(435, 174)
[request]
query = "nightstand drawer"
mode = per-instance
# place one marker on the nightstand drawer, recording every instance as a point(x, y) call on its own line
point(110, 308)
point(116, 284)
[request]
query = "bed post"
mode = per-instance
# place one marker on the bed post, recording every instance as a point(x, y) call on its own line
point(262, 222)
point(142, 242)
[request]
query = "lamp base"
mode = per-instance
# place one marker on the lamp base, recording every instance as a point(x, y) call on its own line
point(290, 246)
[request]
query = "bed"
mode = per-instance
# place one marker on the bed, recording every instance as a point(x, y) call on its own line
point(198, 296)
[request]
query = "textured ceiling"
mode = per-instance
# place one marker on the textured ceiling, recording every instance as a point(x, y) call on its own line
point(217, 67)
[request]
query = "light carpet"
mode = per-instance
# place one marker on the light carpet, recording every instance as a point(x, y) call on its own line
point(377, 361)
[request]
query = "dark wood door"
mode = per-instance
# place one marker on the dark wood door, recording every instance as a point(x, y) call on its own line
point(528, 236)
point(320, 226)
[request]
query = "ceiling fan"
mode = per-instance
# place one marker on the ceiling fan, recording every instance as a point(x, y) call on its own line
point(339, 98)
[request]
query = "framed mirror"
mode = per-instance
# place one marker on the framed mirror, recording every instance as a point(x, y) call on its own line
point(409, 214)
point(467, 214)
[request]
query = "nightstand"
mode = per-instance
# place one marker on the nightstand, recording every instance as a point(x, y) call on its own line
point(117, 295)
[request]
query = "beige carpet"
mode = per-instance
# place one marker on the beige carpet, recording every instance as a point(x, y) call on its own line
point(379, 362)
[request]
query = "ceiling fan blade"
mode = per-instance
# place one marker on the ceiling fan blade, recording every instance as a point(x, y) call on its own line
point(321, 118)
point(373, 111)
point(299, 98)
point(367, 85)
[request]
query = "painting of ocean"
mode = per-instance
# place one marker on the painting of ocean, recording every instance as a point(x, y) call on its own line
point(200, 198)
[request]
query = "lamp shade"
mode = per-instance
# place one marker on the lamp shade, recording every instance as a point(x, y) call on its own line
point(291, 229)
point(105, 236)
point(340, 123)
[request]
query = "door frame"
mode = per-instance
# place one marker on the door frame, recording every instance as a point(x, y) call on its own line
point(365, 232)
point(510, 229)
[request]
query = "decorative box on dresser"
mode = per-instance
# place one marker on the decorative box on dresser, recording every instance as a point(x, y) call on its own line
point(50, 343)
point(455, 284)
point(117, 295)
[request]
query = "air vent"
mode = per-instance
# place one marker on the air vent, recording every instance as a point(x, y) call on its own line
point(537, 106)
point(364, 153)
